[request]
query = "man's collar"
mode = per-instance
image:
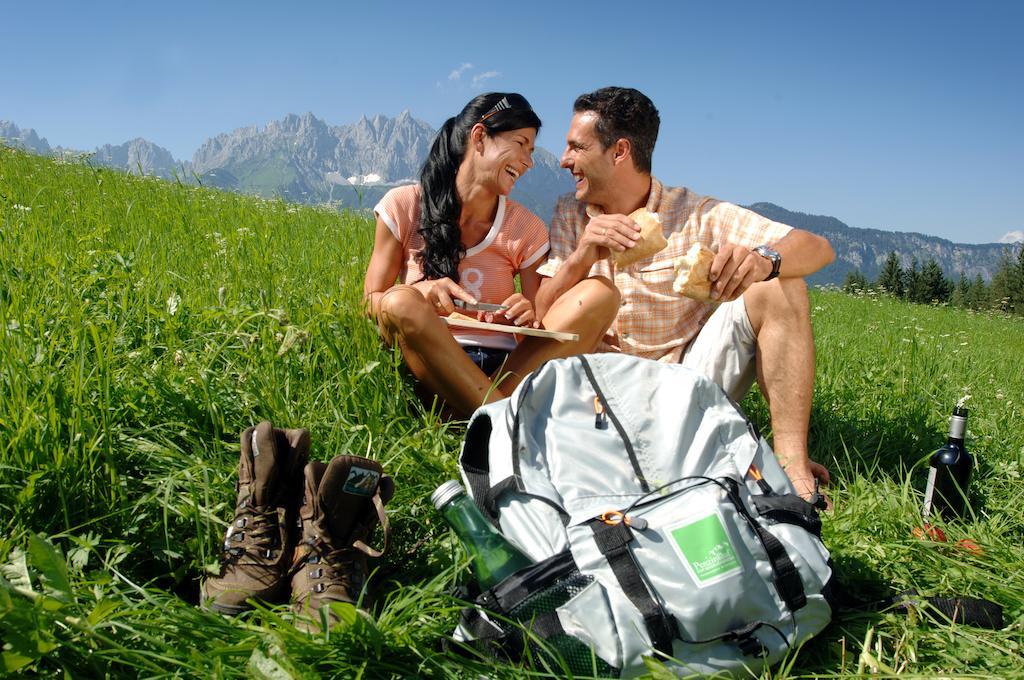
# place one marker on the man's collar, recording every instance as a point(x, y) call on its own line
point(653, 199)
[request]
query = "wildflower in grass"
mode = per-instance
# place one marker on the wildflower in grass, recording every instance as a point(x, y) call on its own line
point(172, 304)
point(23, 208)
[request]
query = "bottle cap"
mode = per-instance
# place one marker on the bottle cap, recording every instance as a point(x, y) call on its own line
point(446, 492)
point(958, 423)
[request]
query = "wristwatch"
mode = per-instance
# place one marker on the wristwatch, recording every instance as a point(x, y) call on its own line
point(773, 255)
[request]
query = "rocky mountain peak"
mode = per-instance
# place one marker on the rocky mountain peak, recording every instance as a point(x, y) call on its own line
point(25, 138)
point(137, 156)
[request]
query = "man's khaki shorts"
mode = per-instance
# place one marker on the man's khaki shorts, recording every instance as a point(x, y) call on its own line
point(724, 349)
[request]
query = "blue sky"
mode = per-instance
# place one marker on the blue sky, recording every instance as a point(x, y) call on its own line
point(892, 115)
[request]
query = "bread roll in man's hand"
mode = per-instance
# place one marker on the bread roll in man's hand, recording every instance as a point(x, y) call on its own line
point(651, 239)
point(693, 273)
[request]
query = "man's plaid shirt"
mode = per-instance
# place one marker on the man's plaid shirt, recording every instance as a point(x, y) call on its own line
point(655, 322)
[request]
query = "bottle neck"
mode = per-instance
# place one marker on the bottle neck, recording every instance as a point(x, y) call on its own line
point(957, 428)
point(462, 513)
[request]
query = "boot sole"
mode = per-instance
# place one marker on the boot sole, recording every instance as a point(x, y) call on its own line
point(227, 609)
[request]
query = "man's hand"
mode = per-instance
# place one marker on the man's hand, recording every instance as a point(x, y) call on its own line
point(803, 473)
point(440, 293)
point(606, 233)
point(735, 269)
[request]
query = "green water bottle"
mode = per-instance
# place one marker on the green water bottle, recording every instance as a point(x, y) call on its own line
point(491, 557)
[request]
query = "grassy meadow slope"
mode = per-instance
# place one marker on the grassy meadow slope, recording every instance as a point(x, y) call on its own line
point(143, 325)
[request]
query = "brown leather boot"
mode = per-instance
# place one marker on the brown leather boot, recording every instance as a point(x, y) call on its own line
point(342, 503)
point(260, 540)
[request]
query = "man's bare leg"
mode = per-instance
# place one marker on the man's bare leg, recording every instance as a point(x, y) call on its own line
point(587, 309)
point(779, 312)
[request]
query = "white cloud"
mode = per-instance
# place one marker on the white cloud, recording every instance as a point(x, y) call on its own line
point(457, 73)
point(1013, 236)
point(479, 78)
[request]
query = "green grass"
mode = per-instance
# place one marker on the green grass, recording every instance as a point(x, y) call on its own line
point(143, 325)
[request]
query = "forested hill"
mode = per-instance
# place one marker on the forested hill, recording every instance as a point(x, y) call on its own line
point(866, 249)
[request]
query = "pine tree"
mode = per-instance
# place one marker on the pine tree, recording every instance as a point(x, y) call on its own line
point(1008, 283)
point(855, 282)
point(961, 292)
point(913, 284)
point(891, 276)
point(935, 287)
point(979, 295)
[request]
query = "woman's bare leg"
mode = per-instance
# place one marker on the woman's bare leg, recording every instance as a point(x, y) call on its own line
point(587, 309)
point(432, 354)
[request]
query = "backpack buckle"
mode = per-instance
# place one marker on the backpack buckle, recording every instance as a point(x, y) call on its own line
point(745, 640)
point(751, 646)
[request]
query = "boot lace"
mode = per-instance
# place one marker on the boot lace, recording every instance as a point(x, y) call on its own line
point(336, 566)
point(254, 531)
point(330, 566)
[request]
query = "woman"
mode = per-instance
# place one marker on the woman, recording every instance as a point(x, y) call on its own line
point(456, 236)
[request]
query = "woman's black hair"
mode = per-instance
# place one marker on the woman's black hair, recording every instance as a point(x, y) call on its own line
point(441, 207)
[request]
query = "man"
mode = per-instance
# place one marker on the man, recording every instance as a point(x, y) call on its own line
point(763, 323)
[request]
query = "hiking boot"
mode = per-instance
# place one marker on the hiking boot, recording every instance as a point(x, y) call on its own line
point(342, 503)
point(258, 545)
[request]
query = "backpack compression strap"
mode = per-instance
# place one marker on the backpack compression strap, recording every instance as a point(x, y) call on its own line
point(787, 578)
point(613, 542)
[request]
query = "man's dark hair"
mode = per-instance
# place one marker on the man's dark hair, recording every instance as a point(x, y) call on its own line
point(623, 112)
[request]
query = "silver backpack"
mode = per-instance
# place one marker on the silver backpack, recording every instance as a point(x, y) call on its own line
point(661, 523)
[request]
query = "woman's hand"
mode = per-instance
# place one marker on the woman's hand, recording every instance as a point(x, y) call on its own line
point(441, 292)
point(520, 312)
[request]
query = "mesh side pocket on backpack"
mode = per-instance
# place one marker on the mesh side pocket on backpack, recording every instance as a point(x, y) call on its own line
point(538, 612)
point(525, 608)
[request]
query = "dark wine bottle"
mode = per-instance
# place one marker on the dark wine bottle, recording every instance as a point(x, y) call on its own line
point(949, 473)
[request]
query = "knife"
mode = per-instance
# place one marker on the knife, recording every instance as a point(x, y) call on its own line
point(479, 306)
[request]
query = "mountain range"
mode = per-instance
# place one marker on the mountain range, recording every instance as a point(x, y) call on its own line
point(866, 250)
point(305, 160)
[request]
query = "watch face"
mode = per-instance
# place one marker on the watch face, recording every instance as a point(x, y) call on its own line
point(773, 255)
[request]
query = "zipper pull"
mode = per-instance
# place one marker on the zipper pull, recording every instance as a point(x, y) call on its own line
point(600, 418)
point(613, 517)
point(761, 481)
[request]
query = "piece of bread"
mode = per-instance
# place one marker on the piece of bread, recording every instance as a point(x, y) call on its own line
point(693, 273)
point(651, 239)
point(460, 315)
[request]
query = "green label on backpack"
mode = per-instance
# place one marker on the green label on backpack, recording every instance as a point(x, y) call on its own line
point(705, 548)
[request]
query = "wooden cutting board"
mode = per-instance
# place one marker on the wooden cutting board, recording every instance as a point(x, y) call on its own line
point(517, 330)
